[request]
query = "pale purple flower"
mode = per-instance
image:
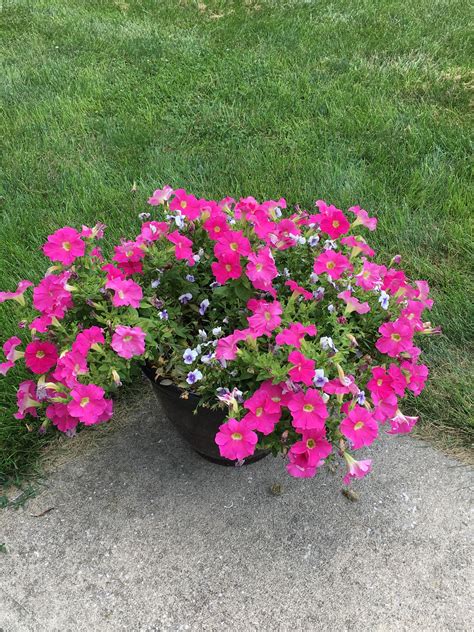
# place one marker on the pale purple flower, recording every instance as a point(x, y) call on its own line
point(327, 343)
point(202, 334)
point(203, 306)
point(194, 376)
point(318, 294)
point(361, 398)
point(190, 278)
point(189, 356)
point(163, 314)
point(384, 300)
point(144, 216)
point(208, 357)
point(185, 298)
point(155, 283)
point(331, 308)
point(330, 244)
point(319, 379)
point(217, 331)
point(313, 240)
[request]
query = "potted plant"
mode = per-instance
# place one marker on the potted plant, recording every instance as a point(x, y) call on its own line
point(262, 328)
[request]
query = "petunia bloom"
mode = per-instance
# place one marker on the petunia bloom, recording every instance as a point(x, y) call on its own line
point(359, 427)
point(313, 445)
point(356, 469)
point(294, 334)
point(353, 304)
point(17, 295)
point(11, 354)
point(64, 245)
point(396, 337)
point(302, 369)
point(128, 342)
point(126, 292)
point(265, 317)
point(27, 400)
point(40, 356)
point(236, 440)
point(334, 222)
point(308, 410)
point(88, 404)
point(332, 263)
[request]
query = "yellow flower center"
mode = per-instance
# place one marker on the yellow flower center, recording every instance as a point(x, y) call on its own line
point(183, 204)
point(308, 408)
point(267, 315)
point(121, 294)
point(66, 246)
point(236, 436)
point(396, 337)
point(330, 265)
point(228, 267)
point(217, 229)
point(359, 425)
point(335, 224)
point(40, 354)
point(310, 444)
point(129, 253)
point(379, 382)
point(84, 402)
point(234, 246)
point(259, 267)
point(127, 338)
point(258, 412)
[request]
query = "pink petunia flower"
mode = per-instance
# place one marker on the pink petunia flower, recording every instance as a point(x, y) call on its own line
point(359, 427)
point(261, 269)
point(356, 469)
point(216, 226)
point(59, 415)
point(236, 439)
point(51, 297)
point(227, 267)
point(41, 324)
point(297, 289)
point(358, 245)
point(17, 295)
point(113, 272)
point(69, 367)
point(413, 312)
point(313, 445)
point(226, 348)
point(183, 247)
point(186, 204)
point(27, 400)
point(87, 338)
point(298, 466)
point(353, 304)
point(370, 276)
point(129, 256)
point(64, 245)
point(303, 368)
point(11, 354)
point(126, 292)
point(308, 410)
point(363, 218)
point(334, 222)
point(40, 356)
point(401, 424)
point(341, 386)
point(128, 342)
point(234, 242)
point(396, 337)
point(88, 403)
point(160, 196)
point(265, 317)
point(259, 417)
point(332, 263)
point(416, 375)
point(294, 334)
point(385, 408)
point(381, 383)
point(399, 379)
point(151, 231)
point(276, 396)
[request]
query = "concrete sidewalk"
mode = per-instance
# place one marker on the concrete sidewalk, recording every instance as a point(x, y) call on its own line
point(145, 535)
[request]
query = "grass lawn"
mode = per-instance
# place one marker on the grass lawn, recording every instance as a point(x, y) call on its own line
point(356, 102)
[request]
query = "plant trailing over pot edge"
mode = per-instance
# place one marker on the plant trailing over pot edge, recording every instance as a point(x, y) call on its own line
point(280, 318)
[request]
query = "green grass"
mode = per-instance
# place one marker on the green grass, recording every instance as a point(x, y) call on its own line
point(356, 102)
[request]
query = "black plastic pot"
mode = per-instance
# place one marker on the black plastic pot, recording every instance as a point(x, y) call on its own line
point(197, 428)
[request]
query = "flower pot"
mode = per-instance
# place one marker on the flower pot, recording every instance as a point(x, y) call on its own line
point(197, 425)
